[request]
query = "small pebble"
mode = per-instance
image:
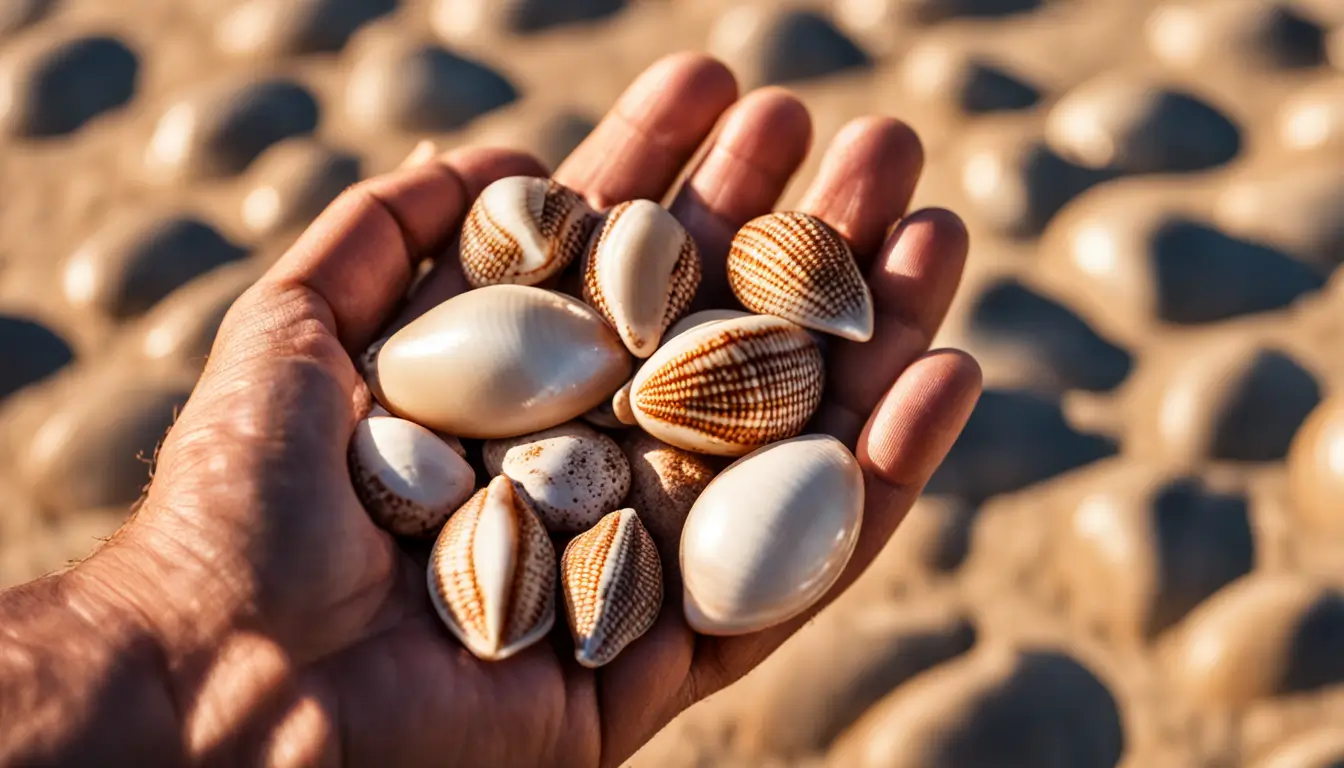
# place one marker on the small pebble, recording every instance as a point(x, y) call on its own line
point(1125, 124)
point(1316, 468)
point(884, 646)
point(274, 28)
point(1313, 118)
point(866, 15)
point(17, 14)
point(561, 134)
point(1190, 34)
point(218, 131)
point(31, 352)
point(293, 181)
point(767, 45)
point(1057, 348)
point(1014, 439)
point(1016, 183)
point(1320, 748)
point(183, 326)
point(94, 449)
point(421, 88)
point(947, 77)
point(467, 20)
point(53, 87)
point(934, 537)
point(573, 474)
point(993, 707)
point(1263, 636)
point(1141, 553)
point(1232, 402)
point(1300, 210)
point(665, 481)
point(134, 261)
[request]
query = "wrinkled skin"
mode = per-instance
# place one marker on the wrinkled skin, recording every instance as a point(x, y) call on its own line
point(284, 627)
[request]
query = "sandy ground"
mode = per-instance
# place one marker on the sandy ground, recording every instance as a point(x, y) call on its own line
point(1134, 554)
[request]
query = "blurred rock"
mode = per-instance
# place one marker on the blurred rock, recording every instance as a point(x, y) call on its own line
point(31, 352)
point(273, 28)
point(1322, 748)
point(1300, 210)
point(53, 86)
point(1013, 439)
point(293, 181)
point(466, 20)
point(664, 483)
point(772, 45)
point(219, 130)
point(844, 664)
point(17, 14)
point(1015, 182)
point(1316, 468)
point(1313, 118)
point(1140, 554)
point(1121, 123)
point(1232, 401)
point(946, 77)
point(559, 135)
point(864, 15)
point(934, 537)
point(421, 88)
point(1039, 335)
point(996, 707)
point(94, 449)
point(182, 327)
point(1190, 34)
point(1263, 636)
point(136, 260)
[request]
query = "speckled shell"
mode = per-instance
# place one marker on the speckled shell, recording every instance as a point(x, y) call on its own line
point(729, 387)
point(492, 573)
point(642, 273)
point(500, 361)
point(794, 266)
point(408, 479)
point(572, 473)
point(613, 585)
point(523, 230)
point(770, 535)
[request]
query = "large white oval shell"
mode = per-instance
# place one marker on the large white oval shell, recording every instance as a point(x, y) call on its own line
point(500, 361)
point(729, 387)
point(770, 535)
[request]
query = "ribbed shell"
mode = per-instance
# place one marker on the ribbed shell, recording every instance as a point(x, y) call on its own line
point(794, 266)
point(492, 573)
point(729, 387)
point(408, 479)
point(613, 584)
point(642, 273)
point(523, 230)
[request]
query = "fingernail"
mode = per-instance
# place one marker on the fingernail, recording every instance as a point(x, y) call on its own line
point(423, 153)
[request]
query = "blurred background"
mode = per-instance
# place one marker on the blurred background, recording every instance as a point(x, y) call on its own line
point(1134, 555)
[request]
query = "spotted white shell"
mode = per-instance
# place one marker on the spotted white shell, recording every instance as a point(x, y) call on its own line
point(729, 387)
point(770, 535)
point(572, 474)
point(794, 266)
point(613, 585)
point(642, 273)
point(407, 478)
point(492, 574)
point(523, 230)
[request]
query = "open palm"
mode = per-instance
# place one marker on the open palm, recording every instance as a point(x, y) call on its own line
point(298, 632)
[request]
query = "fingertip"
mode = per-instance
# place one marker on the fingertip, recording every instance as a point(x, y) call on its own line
point(771, 118)
point(938, 225)
point(694, 70)
point(885, 140)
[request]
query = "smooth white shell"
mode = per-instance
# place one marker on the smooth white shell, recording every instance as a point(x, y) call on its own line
point(408, 479)
point(572, 474)
point(500, 361)
point(770, 535)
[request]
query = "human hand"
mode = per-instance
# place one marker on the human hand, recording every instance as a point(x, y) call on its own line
point(286, 627)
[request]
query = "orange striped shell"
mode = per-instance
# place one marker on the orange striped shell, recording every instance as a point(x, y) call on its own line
point(729, 387)
point(794, 266)
point(613, 584)
point(523, 230)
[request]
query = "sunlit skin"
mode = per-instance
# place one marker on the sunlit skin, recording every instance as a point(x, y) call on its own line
point(251, 612)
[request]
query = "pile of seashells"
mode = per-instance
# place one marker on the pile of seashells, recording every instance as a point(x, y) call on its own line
point(545, 380)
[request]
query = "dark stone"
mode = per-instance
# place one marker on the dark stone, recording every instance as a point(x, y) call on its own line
point(1264, 409)
point(31, 352)
point(934, 11)
point(989, 89)
point(424, 89)
point(61, 87)
point(537, 15)
point(293, 27)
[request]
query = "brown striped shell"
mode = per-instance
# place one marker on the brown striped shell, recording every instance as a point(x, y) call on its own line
point(613, 584)
point(408, 478)
point(492, 573)
point(794, 266)
point(523, 230)
point(642, 273)
point(729, 387)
